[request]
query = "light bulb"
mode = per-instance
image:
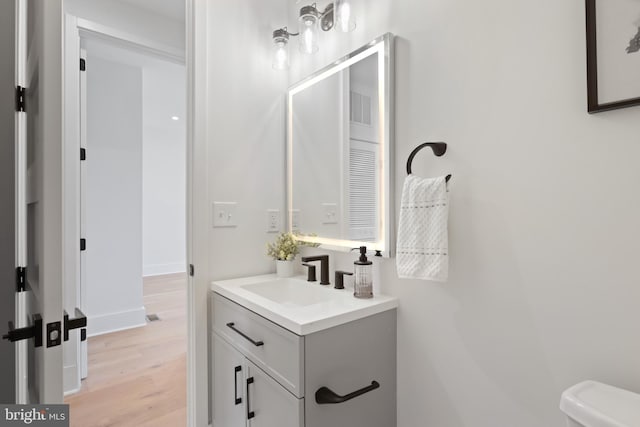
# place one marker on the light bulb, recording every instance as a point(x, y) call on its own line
point(308, 30)
point(308, 38)
point(345, 19)
point(281, 56)
point(281, 49)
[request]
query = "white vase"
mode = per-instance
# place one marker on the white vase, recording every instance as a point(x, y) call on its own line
point(284, 268)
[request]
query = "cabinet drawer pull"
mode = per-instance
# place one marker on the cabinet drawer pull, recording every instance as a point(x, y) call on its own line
point(243, 335)
point(250, 413)
point(237, 399)
point(325, 395)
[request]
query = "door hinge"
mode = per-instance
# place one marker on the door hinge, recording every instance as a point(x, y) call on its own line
point(34, 331)
point(83, 154)
point(83, 64)
point(21, 279)
point(192, 270)
point(83, 244)
point(21, 94)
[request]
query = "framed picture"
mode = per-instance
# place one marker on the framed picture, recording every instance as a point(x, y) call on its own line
point(613, 54)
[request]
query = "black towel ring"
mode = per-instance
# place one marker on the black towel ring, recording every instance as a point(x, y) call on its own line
point(439, 148)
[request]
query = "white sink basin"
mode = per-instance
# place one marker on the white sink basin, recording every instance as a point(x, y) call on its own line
point(300, 306)
point(291, 292)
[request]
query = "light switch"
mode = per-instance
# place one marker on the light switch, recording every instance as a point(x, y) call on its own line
point(330, 213)
point(224, 214)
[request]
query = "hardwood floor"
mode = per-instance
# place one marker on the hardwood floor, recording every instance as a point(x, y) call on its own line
point(137, 377)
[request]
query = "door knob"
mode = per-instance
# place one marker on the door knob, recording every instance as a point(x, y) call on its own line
point(80, 321)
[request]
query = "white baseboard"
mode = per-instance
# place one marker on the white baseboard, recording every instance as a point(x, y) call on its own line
point(161, 269)
point(71, 382)
point(113, 322)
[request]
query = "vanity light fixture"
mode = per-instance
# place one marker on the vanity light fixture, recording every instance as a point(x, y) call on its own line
point(338, 14)
point(281, 48)
point(308, 25)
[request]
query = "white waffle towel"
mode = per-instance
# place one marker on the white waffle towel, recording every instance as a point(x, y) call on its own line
point(423, 243)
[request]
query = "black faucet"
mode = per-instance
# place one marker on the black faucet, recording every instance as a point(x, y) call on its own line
point(324, 266)
point(311, 272)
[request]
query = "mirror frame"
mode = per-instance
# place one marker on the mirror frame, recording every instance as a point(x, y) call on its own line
point(382, 45)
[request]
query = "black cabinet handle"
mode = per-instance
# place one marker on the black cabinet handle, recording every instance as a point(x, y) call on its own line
point(250, 413)
point(237, 399)
point(325, 395)
point(256, 343)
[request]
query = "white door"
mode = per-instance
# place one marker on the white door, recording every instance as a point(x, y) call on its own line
point(39, 201)
point(229, 371)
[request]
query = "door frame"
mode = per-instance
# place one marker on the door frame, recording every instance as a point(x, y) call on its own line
point(195, 59)
point(21, 347)
point(77, 29)
point(197, 45)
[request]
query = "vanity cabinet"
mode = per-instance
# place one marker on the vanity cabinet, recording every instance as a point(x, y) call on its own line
point(266, 376)
point(246, 396)
point(275, 350)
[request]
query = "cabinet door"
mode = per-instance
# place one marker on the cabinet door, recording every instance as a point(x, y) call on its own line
point(269, 404)
point(347, 359)
point(229, 368)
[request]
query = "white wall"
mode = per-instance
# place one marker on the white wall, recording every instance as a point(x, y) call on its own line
point(114, 196)
point(163, 169)
point(245, 131)
point(544, 240)
point(244, 114)
point(543, 225)
point(133, 20)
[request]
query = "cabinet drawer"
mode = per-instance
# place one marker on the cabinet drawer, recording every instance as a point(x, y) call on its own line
point(274, 349)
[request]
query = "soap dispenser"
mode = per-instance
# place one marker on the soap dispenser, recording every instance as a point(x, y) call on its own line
point(363, 283)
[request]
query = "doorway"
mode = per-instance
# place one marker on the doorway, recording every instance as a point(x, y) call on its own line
point(58, 166)
point(133, 284)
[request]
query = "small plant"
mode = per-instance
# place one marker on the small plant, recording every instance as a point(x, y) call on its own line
point(285, 248)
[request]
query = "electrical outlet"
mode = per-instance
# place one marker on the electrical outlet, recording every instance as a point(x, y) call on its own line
point(273, 220)
point(295, 219)
point(224, 214)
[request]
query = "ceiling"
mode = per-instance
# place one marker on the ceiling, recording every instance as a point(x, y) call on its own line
point(174, 9)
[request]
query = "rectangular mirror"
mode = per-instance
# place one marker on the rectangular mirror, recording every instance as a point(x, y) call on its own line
point(339, 149)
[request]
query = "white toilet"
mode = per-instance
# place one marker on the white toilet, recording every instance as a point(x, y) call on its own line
point(593, 404)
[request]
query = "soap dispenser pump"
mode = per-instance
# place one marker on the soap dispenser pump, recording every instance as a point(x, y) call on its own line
point(363, 283)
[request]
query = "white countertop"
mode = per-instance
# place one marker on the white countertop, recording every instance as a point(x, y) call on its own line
point(324, 307)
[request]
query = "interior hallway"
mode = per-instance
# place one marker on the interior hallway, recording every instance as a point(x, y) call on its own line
point(137, 377)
